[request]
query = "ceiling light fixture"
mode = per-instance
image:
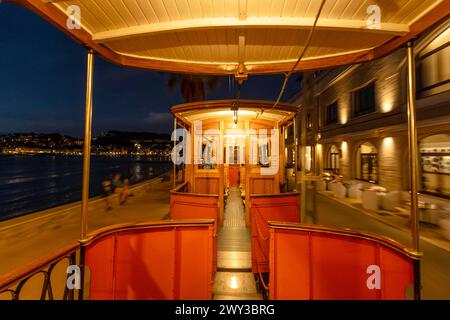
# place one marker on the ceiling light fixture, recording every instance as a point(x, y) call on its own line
point(235, 108)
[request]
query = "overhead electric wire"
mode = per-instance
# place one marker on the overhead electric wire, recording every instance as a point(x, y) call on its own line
point(288, 75)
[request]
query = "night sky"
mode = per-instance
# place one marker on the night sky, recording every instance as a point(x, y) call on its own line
point(42, 83)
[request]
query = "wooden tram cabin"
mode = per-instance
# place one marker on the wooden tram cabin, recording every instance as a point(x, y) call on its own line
point(177, 258)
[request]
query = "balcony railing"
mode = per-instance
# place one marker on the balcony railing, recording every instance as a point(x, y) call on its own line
point(152, 260)
point(44, 279)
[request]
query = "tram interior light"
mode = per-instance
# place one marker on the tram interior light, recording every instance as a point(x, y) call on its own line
point(235, 109)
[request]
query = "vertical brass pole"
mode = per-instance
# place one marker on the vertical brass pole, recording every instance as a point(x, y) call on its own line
point(174, 172)
point(295, 153)
point(412, 140)
point(86, 167)
point(303, 164)
point(87, 144)
point(413, 159)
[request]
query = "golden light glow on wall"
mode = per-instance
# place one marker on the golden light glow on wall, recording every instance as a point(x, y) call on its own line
point(308, 158)
point(344, 149)
point(388, 146)
point(234, 283)
point(387, 106)
point(319, 153)
point(343, 115)
point(319, 148)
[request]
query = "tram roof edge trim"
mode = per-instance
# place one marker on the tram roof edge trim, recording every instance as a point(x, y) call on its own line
point(250, 104)
point(115, 51)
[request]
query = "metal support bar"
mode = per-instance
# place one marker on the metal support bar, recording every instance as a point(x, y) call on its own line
point(303, 164)
point(86, 165)
point(87, 144)
point(413, 157)
point(174, 166)
point(82, 262)
point(295, 153)
point(412, 140)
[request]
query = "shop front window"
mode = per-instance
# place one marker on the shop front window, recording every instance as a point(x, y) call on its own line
point(367, 163)
point(435, 157)
point(333, 159)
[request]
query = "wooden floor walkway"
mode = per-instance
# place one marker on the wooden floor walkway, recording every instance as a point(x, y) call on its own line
point(234, 279)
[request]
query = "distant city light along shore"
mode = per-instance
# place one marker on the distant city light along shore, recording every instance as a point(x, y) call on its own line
point(226, 157)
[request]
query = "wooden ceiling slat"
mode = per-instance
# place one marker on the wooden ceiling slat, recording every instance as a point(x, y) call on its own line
point(207, 8)
point(195, 9)
point(160, 10)
point(250, 23)
point(231, 8)
point(401, 11)
point(361, 12)
point(135, 11)
point(276, 8)
point(350, 9)
point(288, 8)
point(88, 20)
point(111, 11)
point(418, 11)
point(148, 11)
point(340, 9)
point(389, 8)
point(176, 49)
point(172, 10)
point(201, 35)
point(217, 7)
point(120, 6)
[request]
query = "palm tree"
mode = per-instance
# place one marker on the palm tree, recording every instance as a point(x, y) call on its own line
point(193, 88)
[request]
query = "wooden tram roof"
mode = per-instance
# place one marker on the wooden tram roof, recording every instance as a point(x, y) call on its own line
point(221, 109)
point(224, 36)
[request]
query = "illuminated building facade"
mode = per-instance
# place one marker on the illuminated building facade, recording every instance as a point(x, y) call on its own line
point(356, 118)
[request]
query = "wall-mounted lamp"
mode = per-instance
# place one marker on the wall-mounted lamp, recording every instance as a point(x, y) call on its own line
point(235, 108)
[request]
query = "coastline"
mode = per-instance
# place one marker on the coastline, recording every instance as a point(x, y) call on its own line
point(93, 203)
point(34, 183)
point(27, 238)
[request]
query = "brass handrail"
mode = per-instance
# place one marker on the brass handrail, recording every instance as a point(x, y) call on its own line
point(18, 278)
point(275, 195)
point(388, 242)
point(179, 187)
point(145, 225)
point(14, 281)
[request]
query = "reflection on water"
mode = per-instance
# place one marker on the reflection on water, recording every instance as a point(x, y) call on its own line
point(137, 171)
point(33, 183)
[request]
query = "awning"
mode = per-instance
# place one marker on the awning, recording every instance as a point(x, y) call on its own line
point(247, 36)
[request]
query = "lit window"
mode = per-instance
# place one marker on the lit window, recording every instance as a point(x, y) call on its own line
point(309, 121)
point(332, 113)
point(364, 100)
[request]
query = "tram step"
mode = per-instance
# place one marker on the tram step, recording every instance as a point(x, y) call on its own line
point(256, 296)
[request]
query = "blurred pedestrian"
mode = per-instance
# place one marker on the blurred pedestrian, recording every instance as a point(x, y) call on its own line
point(121, 187)
point(107, 192)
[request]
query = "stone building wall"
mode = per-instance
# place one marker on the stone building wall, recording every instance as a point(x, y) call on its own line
point(386, 128)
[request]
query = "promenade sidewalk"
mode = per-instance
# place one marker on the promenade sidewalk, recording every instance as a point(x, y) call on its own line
point(30, 237)
point(399, 220)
